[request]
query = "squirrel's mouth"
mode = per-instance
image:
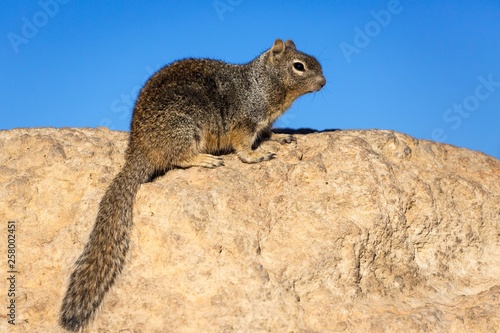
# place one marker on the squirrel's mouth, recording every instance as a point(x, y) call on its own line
point(320, 83)
point(316, 86)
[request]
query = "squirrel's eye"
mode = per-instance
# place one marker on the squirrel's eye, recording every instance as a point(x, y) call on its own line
point(299, 66)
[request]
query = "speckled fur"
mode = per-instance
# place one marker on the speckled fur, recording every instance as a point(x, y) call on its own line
point(186, 112)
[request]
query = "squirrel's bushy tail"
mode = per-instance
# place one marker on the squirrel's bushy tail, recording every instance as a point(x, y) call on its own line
point(104, 254)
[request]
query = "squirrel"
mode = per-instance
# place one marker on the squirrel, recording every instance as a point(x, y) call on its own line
point(185, 113)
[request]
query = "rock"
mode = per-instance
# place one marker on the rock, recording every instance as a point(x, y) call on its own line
point(345, 231)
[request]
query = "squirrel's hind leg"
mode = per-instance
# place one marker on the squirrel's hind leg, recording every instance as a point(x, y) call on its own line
point(202, 160)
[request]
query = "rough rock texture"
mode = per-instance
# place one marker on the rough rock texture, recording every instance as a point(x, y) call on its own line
point(346, 231)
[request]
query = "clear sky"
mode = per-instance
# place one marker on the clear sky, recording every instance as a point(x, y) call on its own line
point(430, 69)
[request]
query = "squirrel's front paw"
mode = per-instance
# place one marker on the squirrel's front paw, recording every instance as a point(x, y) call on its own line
point(283, 138)
point(255, 156)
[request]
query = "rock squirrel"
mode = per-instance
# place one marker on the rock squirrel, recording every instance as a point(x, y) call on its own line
point(186, 112)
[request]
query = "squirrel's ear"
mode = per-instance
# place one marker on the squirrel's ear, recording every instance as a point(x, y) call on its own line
point(277, 48)
point(290, 44)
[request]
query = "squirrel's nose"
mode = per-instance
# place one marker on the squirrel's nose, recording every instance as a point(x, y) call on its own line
point(321, 81)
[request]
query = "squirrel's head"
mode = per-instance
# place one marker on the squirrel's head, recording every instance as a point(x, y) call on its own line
point(300, 72)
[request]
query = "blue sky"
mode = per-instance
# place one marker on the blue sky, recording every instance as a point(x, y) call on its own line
point(430, 69)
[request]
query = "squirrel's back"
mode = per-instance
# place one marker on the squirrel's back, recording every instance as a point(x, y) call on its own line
point(212, 100)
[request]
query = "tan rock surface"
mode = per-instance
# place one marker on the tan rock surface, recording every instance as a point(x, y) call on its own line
point(347, 231)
